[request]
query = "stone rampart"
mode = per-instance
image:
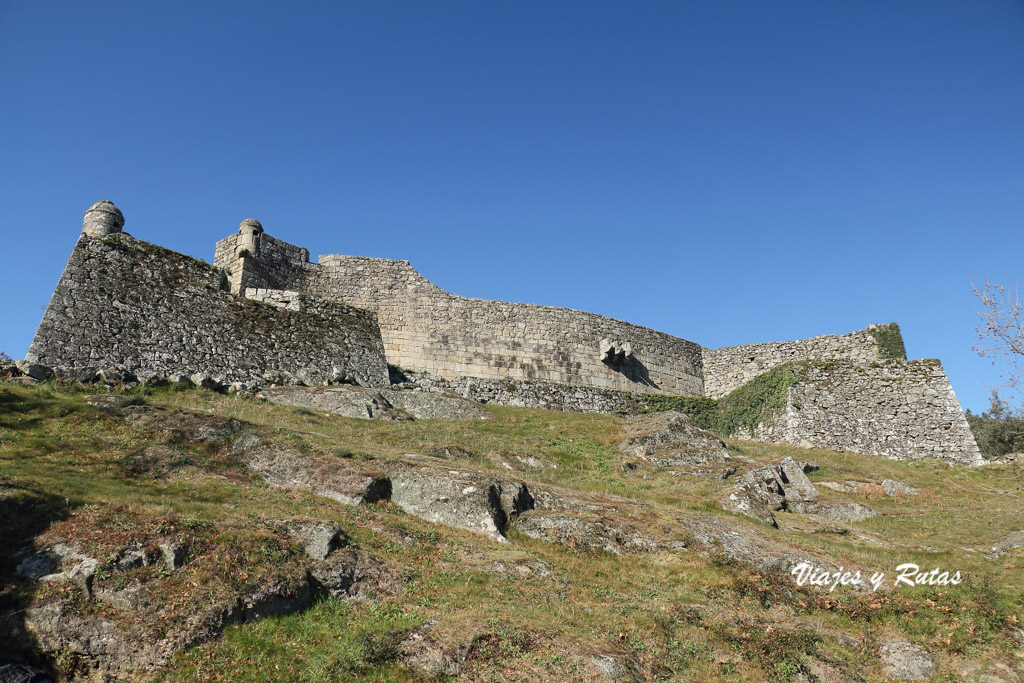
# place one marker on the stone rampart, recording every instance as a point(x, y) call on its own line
point(265, 314)
point(904, 410)
point(729, 368)
point(132, 305)
point(429, 330)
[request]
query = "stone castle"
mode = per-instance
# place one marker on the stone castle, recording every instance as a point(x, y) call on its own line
point(264, 314)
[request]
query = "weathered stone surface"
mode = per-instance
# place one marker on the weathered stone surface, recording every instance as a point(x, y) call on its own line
point(318, 538)
point(904, 410)
point(173, 554)
point(430, 330)
point(387, 404)
point(795, 484)
point(181, 426)
point(111, 308)
point(713, 535)
point(102, 218)
point(891, 487)
point(354, 575)
point(584, 532)
point(290, 327)
point(34, 370)
point(338, 400)
point(754, 502)
point(837, 512)
point(905, 661)
point(612, 668)
point(460, 499)
point(729, 368)
point(338, 480)
point(1010, 542)
point(974, 671)
point(671, 439)
point(112, 402)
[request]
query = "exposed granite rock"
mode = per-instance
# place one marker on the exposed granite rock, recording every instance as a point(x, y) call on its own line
point(837, 512)
point(179, 426)
point(385, 404)
point(905, 661)
point(671, 440)
point(460, 499)
point(338, 480)
point(888, 487)
point(584, 532)
point(769, 488)
point(318, 538)
point(891, 487)
point(1010, 542)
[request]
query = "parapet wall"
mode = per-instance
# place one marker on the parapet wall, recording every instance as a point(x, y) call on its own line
point(904, 410)
point(429, 330)
point(729, 368)
point(128, 304)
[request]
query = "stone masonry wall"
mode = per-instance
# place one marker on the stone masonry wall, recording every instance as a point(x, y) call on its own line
point(728, 368)
point(905, 410)
point(430, 330)
point(524, 393)
point(128, 304)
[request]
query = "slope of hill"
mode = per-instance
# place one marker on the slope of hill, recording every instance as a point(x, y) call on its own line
point(177, 533)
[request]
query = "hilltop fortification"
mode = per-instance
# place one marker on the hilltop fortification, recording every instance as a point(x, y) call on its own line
point(265, 314)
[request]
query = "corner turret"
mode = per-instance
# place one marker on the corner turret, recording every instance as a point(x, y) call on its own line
point(102, 218)
point(248, 244)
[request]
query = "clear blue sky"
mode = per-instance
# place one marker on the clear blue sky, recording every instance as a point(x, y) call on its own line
point(728, 171)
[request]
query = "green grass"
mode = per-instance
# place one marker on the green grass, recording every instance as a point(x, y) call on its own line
point(674, 615)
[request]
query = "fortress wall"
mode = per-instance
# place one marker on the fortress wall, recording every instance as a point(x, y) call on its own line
point(728, 368)
point(904, 410)
point(427, 329)
point(125, 303)
point(274, 267)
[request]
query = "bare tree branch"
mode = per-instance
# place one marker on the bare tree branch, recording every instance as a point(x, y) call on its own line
point(1001, 330)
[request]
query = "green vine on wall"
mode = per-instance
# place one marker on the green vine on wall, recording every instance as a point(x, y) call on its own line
point(889, 340)
point(759, 401)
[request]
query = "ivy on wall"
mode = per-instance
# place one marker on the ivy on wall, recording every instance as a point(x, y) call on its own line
point(759, 401)
point(889, 340)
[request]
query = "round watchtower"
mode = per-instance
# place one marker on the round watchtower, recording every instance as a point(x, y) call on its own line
point(102, 218)
point(248, 243)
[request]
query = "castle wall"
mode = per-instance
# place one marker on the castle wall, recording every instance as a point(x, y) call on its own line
point(728, 368)
point(904, 410)
point(429, 330)
point(125, 303)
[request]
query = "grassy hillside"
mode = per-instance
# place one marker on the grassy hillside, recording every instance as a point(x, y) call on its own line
point(160, 468)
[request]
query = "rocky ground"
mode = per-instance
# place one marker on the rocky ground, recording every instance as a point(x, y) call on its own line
point(182, 534)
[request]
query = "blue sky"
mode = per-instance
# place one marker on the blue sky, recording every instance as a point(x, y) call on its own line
point(730, 172)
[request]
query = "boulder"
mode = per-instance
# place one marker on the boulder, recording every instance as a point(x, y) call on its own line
point(460, 499)
point(754, 502)
point(891, 487)
point(318, 538)
point(33, 370)
point(795, 484)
